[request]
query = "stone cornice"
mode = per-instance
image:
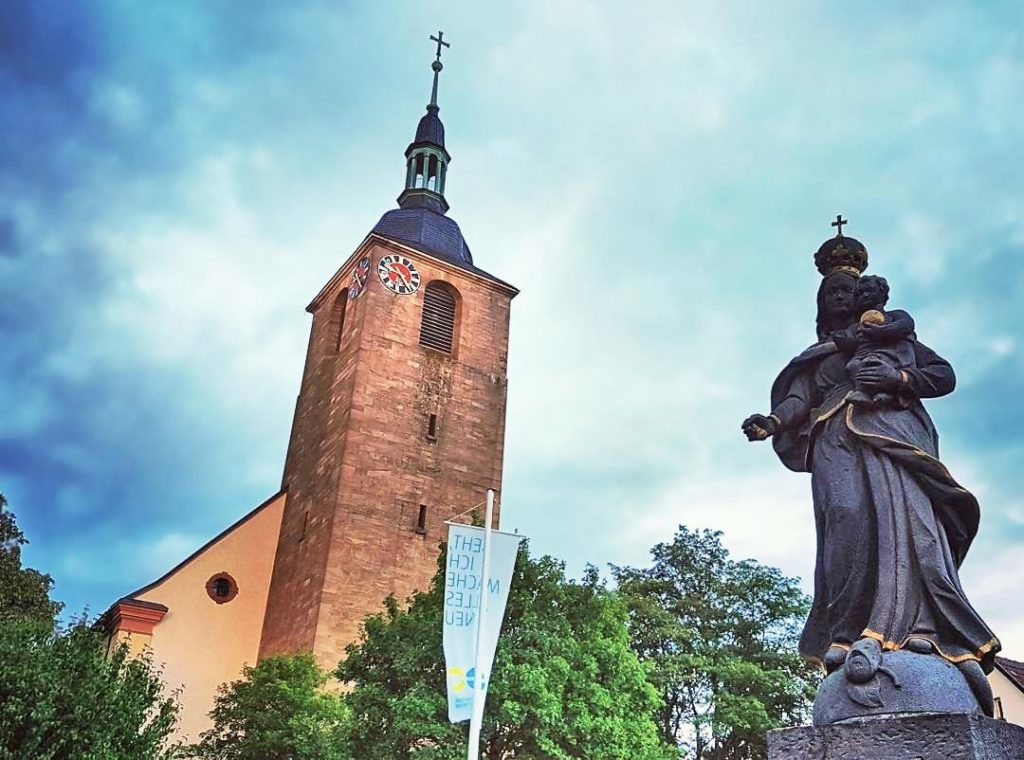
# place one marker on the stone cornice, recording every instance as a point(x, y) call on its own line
point(133, 616)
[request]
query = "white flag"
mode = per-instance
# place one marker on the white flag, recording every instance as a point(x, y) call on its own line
point(462, 599)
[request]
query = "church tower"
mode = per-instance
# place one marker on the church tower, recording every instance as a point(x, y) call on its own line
point(399, 422)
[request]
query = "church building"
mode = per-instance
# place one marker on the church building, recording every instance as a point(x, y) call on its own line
point(399, 426)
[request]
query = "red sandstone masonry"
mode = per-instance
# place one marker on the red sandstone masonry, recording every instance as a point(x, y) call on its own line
point(359, 461)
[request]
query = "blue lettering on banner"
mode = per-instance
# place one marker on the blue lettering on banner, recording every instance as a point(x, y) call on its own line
point(461, 562)
point(473, 544)
point(462, 599)
point(459, 618)
point(461, 580)
point(464, 587)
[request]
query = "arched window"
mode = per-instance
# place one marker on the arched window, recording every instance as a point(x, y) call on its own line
point(437, 326)
point(338, 319)
point(432, 173)
point(420, 178)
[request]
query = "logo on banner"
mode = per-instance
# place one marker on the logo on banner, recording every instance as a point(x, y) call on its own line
point(461, 680)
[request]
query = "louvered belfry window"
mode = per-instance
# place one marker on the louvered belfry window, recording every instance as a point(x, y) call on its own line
point(437, 328)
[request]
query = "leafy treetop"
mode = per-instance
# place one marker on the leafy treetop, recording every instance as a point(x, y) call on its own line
point(565, 682)
point(720, 636)
point(278, 709)
point(24, 592)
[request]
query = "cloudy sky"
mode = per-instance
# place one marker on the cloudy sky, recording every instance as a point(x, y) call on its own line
point(177, 180)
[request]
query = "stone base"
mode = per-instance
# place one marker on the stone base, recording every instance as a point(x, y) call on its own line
point(901, 737)
point(919, 683)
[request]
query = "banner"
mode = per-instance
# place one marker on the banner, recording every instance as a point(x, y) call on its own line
point(462, 598)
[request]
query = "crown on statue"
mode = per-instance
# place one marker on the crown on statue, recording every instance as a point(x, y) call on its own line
point(841, 254)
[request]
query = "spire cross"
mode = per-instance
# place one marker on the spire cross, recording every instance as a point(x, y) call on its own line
point(439, 39)
point(839, 222)
point(436, 66)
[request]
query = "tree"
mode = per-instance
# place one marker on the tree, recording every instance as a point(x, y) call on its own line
point(565, 682)
point(62, 697)
point(721, 638)
point(24, 592)
point(278, 709)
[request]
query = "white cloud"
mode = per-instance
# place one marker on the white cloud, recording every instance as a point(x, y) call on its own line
point(929, 241)
point(1003, 345)
point(1000, 107)
point(654, 181)
point(763, 515)
point(992, 581)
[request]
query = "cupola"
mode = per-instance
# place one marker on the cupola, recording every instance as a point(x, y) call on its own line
point(426, 158)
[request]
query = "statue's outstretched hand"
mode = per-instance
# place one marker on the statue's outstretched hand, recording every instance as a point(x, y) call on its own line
point(757, 427)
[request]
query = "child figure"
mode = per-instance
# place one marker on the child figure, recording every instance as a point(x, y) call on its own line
point(881, 337)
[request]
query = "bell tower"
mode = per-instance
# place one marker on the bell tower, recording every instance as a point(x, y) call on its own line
point(399, 423)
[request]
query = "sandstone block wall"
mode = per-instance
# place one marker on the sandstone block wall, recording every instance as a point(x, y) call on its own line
point(360, 463)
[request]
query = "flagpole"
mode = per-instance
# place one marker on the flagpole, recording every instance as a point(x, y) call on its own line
point(475, 721)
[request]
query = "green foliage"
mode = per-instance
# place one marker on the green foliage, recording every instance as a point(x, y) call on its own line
point(61, 697)
point(278, 709)
point(24, 592)
point(565, 683)
point(721, 638)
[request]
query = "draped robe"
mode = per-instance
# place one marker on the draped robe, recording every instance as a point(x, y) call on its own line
point(892, 524)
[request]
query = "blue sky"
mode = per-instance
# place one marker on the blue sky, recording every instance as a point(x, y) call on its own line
point(177, 180)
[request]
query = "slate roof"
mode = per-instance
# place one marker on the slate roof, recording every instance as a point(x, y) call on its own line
point(430, 129)
point(426, 231)
point(432, 233)
point(1013, 670)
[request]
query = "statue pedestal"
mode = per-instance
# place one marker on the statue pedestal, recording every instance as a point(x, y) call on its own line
point(901, 737)
point(911, 684)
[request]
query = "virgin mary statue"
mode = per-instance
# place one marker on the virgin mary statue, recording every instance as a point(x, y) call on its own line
point(892, 525)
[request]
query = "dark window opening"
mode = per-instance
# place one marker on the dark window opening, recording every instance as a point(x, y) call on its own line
point(305, 524)
point(432, 175)
point(221, 588)
point(419, 180)
point(437, 326)
point(338, 318)
point(421, 519)
point(432, 427)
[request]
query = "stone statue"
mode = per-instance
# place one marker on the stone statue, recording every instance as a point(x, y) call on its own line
point(893, 526)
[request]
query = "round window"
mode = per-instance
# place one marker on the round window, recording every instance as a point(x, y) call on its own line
point(222, 588)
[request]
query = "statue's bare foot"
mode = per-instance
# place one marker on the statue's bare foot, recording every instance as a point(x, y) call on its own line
point(921, 646)
point(979, 684)
point(834, 658)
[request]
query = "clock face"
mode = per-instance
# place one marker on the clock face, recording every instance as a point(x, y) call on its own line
point(362, 271)
point(398, 274)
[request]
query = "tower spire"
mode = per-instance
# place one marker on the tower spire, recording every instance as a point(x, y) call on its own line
point(437, 66)
point(426, 158)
